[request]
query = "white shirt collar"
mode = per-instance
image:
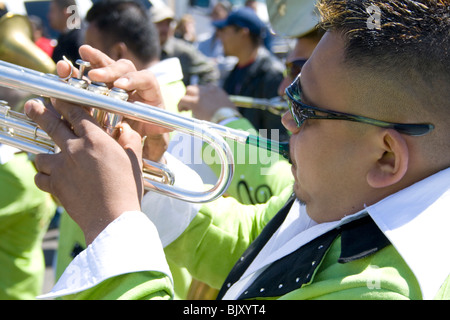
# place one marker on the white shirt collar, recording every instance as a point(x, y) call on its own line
point(416, 221)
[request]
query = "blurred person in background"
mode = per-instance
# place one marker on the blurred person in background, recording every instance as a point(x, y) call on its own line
point(197, 68)
point(40, 36)
point(257, 73)
point(185, 29)
point(3, 9)
point(212, 46)
point(63, 17)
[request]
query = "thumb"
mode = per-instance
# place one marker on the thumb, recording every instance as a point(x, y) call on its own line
point(130, 139)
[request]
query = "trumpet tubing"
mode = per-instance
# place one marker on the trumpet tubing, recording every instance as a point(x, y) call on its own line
point(24, 134)
point(109, 107)
point(17, 130)
point(276, 105)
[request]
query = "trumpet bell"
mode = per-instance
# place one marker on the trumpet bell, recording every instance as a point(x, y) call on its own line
point(17, 46)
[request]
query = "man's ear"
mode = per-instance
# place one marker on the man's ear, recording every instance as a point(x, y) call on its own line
point(392, 163)
point(118, 51)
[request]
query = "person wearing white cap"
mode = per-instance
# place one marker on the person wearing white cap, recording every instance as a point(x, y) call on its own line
point(197, 68)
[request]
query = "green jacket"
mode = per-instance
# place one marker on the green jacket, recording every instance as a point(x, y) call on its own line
point(221, 233)
point(25, 214)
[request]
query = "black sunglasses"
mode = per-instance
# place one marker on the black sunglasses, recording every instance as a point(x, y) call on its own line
point(301, 112)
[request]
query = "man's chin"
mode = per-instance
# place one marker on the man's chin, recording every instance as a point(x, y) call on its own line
point(298, 195)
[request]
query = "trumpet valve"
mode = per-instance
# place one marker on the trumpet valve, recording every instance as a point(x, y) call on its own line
point(83, 65)
point(118, 93)
point(78, 83)
point(99, 115)
point(107, 120)
point(113, 118)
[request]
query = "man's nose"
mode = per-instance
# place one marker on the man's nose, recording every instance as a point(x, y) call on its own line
point(289, 123)
point(283, 85)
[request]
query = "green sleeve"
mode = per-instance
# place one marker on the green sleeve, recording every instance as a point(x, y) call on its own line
point(25, 214)
point(219, 234)
point(172, 93)
point(132, 286)
point(70, 242)
point(444, 291)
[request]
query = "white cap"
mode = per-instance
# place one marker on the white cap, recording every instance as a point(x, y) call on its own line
point(161, 12)
point(292, 18)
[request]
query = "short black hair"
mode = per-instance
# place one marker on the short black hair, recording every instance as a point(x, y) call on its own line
point(129, 22)
point(406, 42)
point(408, 33)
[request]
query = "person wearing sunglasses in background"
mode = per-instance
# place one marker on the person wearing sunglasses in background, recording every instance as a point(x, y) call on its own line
point(212, 103)
point(303, 48)
point(368, 215)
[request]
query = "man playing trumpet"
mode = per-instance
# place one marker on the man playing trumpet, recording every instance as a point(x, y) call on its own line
point(369, 147)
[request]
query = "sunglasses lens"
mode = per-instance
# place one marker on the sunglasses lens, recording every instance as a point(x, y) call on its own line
point(293, 113)
point(293, 71)
point(296, 112)
point(301, 112)
point(293, 68)
point(295, 108)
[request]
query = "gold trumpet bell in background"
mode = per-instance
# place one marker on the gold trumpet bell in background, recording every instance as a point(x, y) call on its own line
point(17, 46)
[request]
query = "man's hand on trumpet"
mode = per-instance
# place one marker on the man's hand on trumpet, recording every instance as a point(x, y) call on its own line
point(95, 177)
point(141, 86)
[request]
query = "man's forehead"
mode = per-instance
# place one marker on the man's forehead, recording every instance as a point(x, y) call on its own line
point(327, 56)
point(330, 48)
point(324, 73)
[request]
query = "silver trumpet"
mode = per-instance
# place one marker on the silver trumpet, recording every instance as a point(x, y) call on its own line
point(275, 105)
point(18, 131)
